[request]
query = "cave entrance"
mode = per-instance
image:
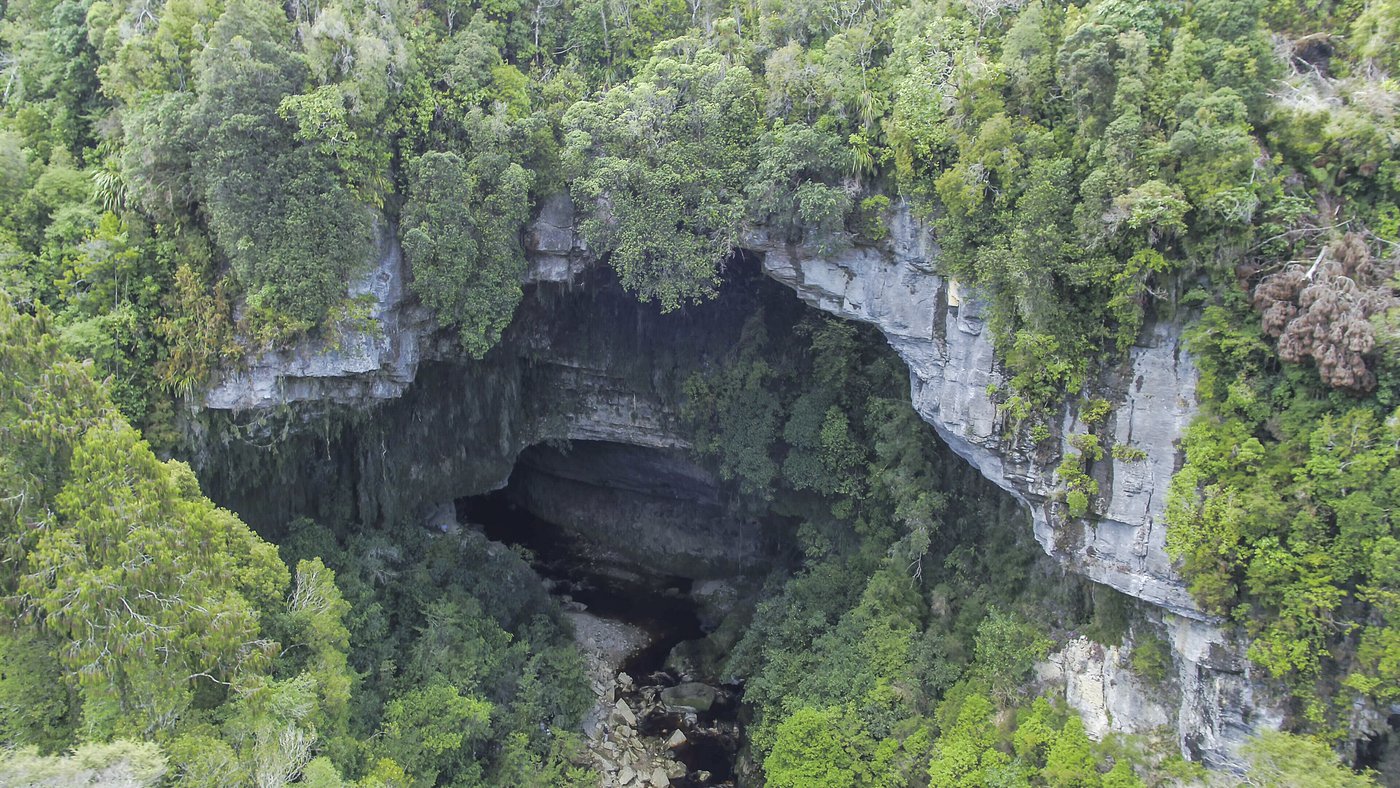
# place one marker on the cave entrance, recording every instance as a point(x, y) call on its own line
point(640, 547)
point(1380, 751)
point(658, 604)
point(637, 511)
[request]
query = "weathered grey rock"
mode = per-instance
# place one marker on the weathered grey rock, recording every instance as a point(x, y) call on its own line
point(623, 713)
point(1099, 683)
point(353, 367)
point(359, 366)
point(645, 510)
point(580, 363)
point(555, 249)
point(1224, 697)
point(952, 366)
point(1210, 700)
point(953, 371)
point(691, 694)
point(605, 645)
point(894, 287)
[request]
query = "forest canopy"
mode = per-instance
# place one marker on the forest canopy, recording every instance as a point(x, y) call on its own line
point(183, 184)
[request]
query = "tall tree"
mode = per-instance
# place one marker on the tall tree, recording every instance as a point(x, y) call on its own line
point(659, 167)
point(277, 208)
point(462, 224)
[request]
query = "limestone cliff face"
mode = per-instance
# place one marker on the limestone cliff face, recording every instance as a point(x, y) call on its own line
point(1214, 695)
point(354, 367)
point(335, 432)
point(361, 364)
point(954, 375)
point(953, 372)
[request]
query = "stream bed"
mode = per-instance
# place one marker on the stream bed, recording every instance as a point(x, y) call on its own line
point(652, 725)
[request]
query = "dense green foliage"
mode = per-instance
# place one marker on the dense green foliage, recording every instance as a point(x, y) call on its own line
point(1285, 507)
point(1279, 760)
point(662, 162)
point(138, 765)
point(167, 615)
point(186, 182)
point(914, 599)
point(467, 672)
point(275, 206)
point(139, 610)
point(461, 234)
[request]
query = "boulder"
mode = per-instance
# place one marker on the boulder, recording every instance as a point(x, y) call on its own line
point(623, 713)
point(693, 694)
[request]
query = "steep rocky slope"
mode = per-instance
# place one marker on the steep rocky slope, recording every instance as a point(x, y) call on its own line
point(953, 375)
point(1213, 698)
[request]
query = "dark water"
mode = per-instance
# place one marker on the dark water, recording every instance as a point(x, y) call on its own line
point(657, 603)
point(713, 737)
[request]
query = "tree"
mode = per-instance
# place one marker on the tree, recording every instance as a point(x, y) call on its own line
point(965, 755)
point(143, 566)
point(1007, 648)
point(521, 766)
point(315, 643)
point(462, 223)
point(659, 167)
point(119, 764)
point(1283, 760)
point(276, 208)
point(272, 727)
point(36, 703)
point(1070, 763)
point(735, 413)
point(42, 423)
point(431, 731)
point(1122, 776)
point(813, 749)
point(203, 759)
point(156, 603)
point(1036, 734)
point(791, 190)
point(1375, 31)
point(198, 332)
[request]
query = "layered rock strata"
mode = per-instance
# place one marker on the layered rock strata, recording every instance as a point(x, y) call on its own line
point(938, 331)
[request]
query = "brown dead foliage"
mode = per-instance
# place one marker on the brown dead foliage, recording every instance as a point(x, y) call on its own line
point(1323, 312)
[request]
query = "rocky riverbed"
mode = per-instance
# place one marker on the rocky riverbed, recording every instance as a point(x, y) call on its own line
point(662, 730)
point(657, 719)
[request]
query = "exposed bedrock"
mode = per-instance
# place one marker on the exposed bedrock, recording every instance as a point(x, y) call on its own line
point(582, 362)
point(646, 507)
point(953, 371)
point(952, 365)
point(579, 401)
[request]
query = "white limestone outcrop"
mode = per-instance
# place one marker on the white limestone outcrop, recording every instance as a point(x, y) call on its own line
point(893, 286)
